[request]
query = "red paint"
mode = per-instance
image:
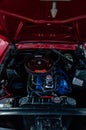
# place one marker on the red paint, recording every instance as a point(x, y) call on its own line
point(4, 46)
point(18, 30)
point(6, 92)
point(85, 45)
point(3, 23)
point(48, 97)
point(21, 17)
point(46, 46)
point(4, 38)
point(35, 21)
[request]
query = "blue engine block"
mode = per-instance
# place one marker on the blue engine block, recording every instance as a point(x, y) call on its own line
point(61, 84)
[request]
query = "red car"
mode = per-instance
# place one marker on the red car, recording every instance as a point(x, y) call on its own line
point(43, 64)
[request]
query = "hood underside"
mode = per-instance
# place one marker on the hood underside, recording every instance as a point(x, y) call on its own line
point(63, 21)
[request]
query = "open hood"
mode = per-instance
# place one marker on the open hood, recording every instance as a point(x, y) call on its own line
point(62, 21)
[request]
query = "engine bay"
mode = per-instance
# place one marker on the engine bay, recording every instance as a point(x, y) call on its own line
point(44, 77)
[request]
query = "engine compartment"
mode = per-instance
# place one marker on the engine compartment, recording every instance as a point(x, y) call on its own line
point(39, 76)
point(44, 86)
